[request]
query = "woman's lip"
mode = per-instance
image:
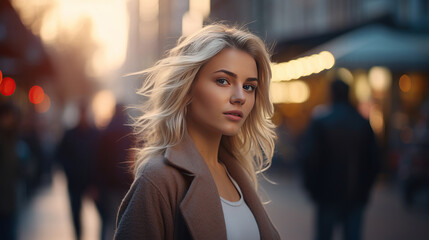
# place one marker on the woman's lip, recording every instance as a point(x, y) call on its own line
point(232, 117)
point(235, 113)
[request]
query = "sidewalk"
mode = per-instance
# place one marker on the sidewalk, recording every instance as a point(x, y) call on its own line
point(48, 216)
point(386, 217)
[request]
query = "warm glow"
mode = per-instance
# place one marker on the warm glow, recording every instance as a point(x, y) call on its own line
point(103, 106)
point(36, 94)
point(200, 6)
point(1, 77)
point(191, 22)
point(289, 92)
point(107, 25)
point(307, 66)
point(345, 75)
point(7, 86)
point(299, 92)
point(376, 120)
point(44, 106)
point(328, 59)
point(316, 63)
point(362, 88)
point(149, 10)
point(405, 83)
point(302, 67)
point(380, 78)
point(278, 92)
point(279, 70)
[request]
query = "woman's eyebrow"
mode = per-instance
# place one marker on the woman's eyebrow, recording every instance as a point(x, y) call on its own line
point(235, 75)
point(227, 72)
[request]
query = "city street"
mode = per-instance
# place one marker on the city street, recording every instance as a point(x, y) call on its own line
point(386, 216)
point(91, 88)
point(48, 216)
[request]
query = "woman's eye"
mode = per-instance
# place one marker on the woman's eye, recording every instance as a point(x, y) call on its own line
point(222, 81)
point(249, 88)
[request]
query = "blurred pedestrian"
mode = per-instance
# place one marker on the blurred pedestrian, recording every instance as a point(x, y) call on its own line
point(414, 165)
point(112, 175)
point(77, 154)
point(340, 164)
point(9, 170)
point(205, 133)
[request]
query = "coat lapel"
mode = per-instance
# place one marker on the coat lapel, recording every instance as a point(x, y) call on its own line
point(201, 207)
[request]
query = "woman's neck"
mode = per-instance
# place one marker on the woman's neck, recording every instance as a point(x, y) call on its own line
point(207, 145)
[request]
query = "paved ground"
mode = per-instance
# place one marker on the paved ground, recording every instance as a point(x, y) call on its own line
point(386, 217)
point(48, 216)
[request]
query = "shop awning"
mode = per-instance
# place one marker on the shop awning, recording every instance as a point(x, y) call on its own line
point(378, 45)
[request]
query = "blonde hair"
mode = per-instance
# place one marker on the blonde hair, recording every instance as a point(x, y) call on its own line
point(169, 81)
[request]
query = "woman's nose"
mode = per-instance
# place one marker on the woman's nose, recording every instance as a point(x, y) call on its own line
point(237, 97)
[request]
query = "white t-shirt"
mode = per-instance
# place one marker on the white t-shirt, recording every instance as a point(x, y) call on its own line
point(239, 220)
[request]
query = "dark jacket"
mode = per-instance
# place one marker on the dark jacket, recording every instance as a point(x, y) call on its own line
point(340, 157)
point(175, 197)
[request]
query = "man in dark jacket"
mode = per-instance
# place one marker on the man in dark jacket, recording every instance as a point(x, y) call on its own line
point(340, 164)
point(77, 154)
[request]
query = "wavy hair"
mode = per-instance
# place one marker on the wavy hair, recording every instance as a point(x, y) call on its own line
point(168, 83)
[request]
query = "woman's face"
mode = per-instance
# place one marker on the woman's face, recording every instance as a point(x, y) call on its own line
point(223, 93)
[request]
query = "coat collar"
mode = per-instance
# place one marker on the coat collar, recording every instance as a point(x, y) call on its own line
point(201, 206)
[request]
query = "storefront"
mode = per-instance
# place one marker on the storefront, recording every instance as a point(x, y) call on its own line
point(388, 71)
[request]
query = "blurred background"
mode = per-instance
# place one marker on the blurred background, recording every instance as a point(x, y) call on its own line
point(64, 93)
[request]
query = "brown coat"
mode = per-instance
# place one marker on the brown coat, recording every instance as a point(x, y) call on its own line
point(175, 197)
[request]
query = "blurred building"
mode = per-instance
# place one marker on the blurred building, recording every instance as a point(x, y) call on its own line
point(22, 56)
point(27, 75)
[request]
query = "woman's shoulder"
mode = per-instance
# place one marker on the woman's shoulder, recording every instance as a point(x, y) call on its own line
point(159, 173)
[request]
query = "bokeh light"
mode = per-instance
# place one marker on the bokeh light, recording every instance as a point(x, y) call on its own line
point(36, 94)
point(380, 78)
point(7, 86)
point(63, 19)
point(191, 22)
point(103, 106)
point(345, 75)
point(289, 92)
point(362, 88)
point(200, 6)
point(405, 83)
point(328, 59)
point(376, 120)
point(301, 67)
point(44, 106)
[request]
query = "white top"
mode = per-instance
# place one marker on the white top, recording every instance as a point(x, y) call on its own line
point(239, 220)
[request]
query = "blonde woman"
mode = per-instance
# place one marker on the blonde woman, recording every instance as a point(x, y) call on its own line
point(205, 133)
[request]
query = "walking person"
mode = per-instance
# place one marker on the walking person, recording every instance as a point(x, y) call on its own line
point(112, 175)
point(77, 153)
point(205, 132)
point(340, 165)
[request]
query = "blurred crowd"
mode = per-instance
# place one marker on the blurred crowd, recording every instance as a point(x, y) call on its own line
point(95, 162)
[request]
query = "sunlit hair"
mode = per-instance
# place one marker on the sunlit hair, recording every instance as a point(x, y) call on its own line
point(167, 86)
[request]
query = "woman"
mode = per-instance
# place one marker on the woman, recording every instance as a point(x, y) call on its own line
point(205, 133)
